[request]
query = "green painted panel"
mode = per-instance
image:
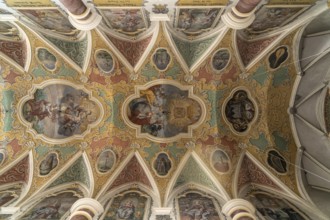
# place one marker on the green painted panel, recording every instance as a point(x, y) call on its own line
point(260, 75)
point(76, 173)
point(191, 51)
point(261, 142)
point(281, 76)
point(280, 142)
point(192, 172)
point(75, 50)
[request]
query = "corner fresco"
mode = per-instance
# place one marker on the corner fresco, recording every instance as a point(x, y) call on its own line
point(50, 19)
point(196, 21)
point(271, 207)
point(52, 207)
point(57, 111)
point(195, 206)
point(162, 111)
point(269, 18)
point(126, 21)
point(131, 205)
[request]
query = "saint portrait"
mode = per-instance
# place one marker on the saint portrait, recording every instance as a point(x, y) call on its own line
point(162, 164)
point(194, 206)
point(105, 161)
point(278, 57)
point(48, 164)
point(161, 58)
point(271, 207)
point(104, 61)
point(47, 59)
point(128, 206)
point(220, 161)
point(220, 59)
point(276, 161)
point(53, 207)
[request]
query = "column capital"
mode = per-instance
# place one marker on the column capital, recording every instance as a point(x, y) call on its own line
point(237, 209)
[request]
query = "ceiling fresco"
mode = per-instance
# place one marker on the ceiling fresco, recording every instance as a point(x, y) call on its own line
point(137, 114)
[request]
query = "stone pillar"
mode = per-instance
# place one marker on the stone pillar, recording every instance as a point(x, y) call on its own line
point(81, 16)
point(241, 15)
point(239, 209)
point(86, 209)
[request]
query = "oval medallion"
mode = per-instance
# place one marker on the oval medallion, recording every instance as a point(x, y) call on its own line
point(46, 58)
point(48, 164)
point(220, 161)
point(220, 59)
point(105, 161)
point(278, 57)
point(277, 162)
point(162, 164)
point(104, 61)
point(161, 59)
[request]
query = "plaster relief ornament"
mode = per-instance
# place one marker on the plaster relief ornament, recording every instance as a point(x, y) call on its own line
point(163, 111)
point(220, 161)
point(46, 58)
point(104, 61)
point(277, 162)
point(278, 57)
point(240, 111)
point(161, 59)
point(58, 111)
point(220, 59)
point(105, 161)
point(162, 164)
point(48, 164)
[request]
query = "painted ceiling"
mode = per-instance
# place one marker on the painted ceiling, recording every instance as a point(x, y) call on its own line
point(159, 106)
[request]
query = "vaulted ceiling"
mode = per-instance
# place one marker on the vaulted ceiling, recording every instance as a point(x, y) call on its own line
point(162, 106)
